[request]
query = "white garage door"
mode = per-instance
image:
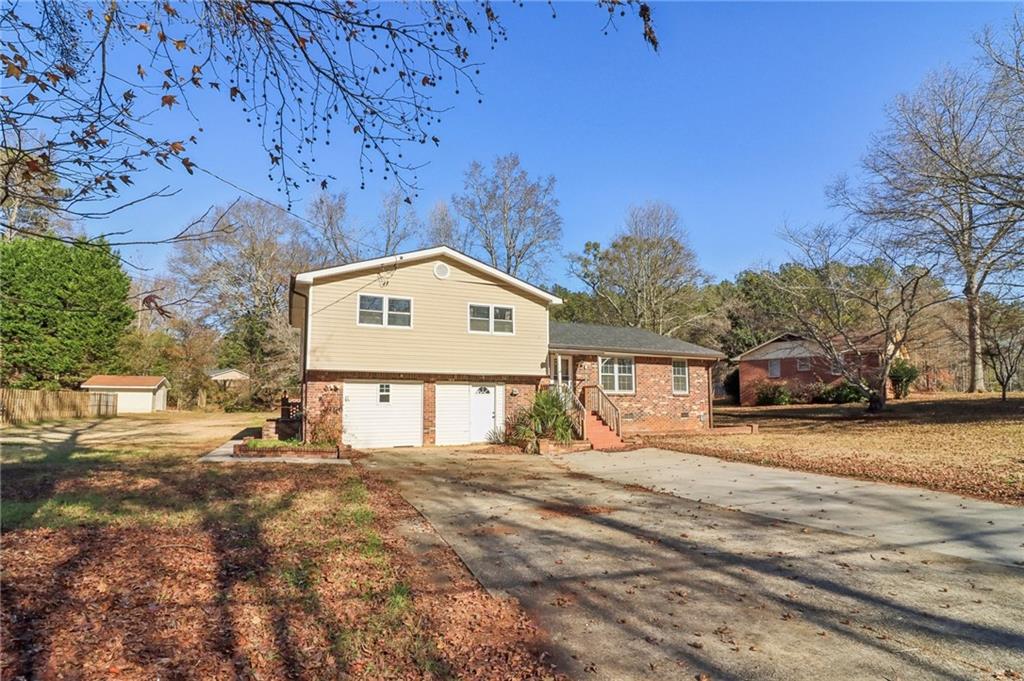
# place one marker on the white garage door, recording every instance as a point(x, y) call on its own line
point(382, 414)
point(468, 412)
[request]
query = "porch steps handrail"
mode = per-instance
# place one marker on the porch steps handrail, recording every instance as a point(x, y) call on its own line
point(595, 399)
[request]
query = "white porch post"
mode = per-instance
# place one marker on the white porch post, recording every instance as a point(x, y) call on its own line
point(558, 370)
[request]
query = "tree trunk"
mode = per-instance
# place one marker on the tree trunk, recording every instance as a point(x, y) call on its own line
point(976, 378)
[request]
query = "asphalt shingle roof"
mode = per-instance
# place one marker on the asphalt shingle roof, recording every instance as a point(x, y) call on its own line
point(571, 336)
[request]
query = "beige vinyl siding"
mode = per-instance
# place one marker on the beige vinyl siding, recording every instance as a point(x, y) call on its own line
point(439, 341)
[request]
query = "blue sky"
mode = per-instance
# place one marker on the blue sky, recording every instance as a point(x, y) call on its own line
point(745, 115)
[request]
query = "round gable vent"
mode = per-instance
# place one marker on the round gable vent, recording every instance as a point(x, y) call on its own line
point(441, 271)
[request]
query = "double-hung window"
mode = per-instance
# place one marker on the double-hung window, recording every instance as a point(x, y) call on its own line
point(616, 374)
point(385, 311)
point(494, 319)
point(680, 377)
point(774, 368)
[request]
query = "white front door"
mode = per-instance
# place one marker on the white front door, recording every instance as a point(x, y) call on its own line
point(483, 412)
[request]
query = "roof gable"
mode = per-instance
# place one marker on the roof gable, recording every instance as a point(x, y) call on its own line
point(311, 277)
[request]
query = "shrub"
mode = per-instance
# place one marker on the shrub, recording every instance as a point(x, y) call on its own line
point(843, 393)
point(731, 384)
point(901, 374)
point(545, 418)
point(325, 427)
point(773, 394)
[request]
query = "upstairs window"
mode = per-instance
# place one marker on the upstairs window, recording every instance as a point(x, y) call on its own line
point(616, 374)
point(384, 311)
point(774, 368)
point(680, 376)
point(493, 319)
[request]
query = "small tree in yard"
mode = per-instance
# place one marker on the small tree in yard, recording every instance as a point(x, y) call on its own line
point(853, 303)
point(1002, 326)
point(901, 376)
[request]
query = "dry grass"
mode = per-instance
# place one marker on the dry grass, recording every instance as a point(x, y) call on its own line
point(967, 444)
point(126, 558)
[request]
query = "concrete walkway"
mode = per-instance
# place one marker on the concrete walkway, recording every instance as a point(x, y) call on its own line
point(222, 454)
point(906, 517)
point(630, 584)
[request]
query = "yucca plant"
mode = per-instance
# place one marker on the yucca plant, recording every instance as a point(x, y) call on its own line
point(546, 418)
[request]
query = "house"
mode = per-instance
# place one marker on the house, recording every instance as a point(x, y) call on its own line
point(435, 347)
point(797, 362)
point(227, 377)
point(135, 394)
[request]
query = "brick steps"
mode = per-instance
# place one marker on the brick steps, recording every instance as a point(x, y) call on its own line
point(599, 434)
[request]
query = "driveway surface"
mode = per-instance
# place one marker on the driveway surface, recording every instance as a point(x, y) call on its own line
point(632, 584)
point(908, 517)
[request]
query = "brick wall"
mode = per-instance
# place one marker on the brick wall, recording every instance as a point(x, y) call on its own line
point(653, 407)
point(324, 389)
point(754, 372)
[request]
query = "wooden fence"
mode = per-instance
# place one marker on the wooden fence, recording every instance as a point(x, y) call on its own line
point(27, 406)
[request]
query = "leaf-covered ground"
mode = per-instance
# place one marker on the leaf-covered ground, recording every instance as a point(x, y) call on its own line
point(125, 558)
point(970, 445)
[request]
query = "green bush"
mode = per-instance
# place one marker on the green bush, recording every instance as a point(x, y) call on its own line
point(544, 419)
point(901, 374)
point(844, 393)
point(773, 394)
point(731, 384)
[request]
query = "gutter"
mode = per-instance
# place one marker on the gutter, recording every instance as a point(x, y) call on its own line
point(640, 353)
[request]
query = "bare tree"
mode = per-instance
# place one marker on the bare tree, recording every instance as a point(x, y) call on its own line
point(1002, 325)
point(648, 277)
point(397, 224)
point(329, 228)
point(443, 229)
point(86, 84)
point(856, 301)
point(927, 185)
point(512, 219)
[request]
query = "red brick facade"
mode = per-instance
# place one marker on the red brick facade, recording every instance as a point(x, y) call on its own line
point(323, 390)
point(754, 372)
point(652, 406)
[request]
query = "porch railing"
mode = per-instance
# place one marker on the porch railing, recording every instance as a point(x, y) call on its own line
point(595, 399)
point(573, 409)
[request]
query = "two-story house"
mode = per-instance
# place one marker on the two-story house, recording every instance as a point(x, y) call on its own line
point(435, 347)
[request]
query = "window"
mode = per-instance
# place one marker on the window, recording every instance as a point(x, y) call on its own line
point(803, 363)
point(774, 368)
point(616, 374)
point(680, 376)
point(384, 393)
point(837, 368)
point(385, 311)
point(496, 319)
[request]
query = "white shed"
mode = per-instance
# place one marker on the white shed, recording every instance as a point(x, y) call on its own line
point(135, 394)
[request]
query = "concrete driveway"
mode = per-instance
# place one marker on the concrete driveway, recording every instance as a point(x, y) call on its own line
point(631, 584)
point(907, 517)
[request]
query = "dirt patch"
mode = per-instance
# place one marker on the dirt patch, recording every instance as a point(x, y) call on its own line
point(554, 510)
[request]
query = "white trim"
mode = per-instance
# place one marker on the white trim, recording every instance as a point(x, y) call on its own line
point(311, 276)
point(490, 319)
point(777, 362)
point(616, 374)
point(308, 324)
point(673, 365)
point(384, 311)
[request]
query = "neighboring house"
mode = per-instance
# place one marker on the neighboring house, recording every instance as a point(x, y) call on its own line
point(135, 394)
point(435, 347)
point(797, 362)
point(227, 377)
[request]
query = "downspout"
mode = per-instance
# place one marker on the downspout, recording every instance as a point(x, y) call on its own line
point(711, 400)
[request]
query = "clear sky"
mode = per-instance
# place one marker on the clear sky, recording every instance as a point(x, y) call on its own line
point(739, 122)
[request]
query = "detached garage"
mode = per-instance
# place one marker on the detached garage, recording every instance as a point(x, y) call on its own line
point(135, 394)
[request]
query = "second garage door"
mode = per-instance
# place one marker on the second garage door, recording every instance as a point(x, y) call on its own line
point(468, 412)
point(382, 414)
